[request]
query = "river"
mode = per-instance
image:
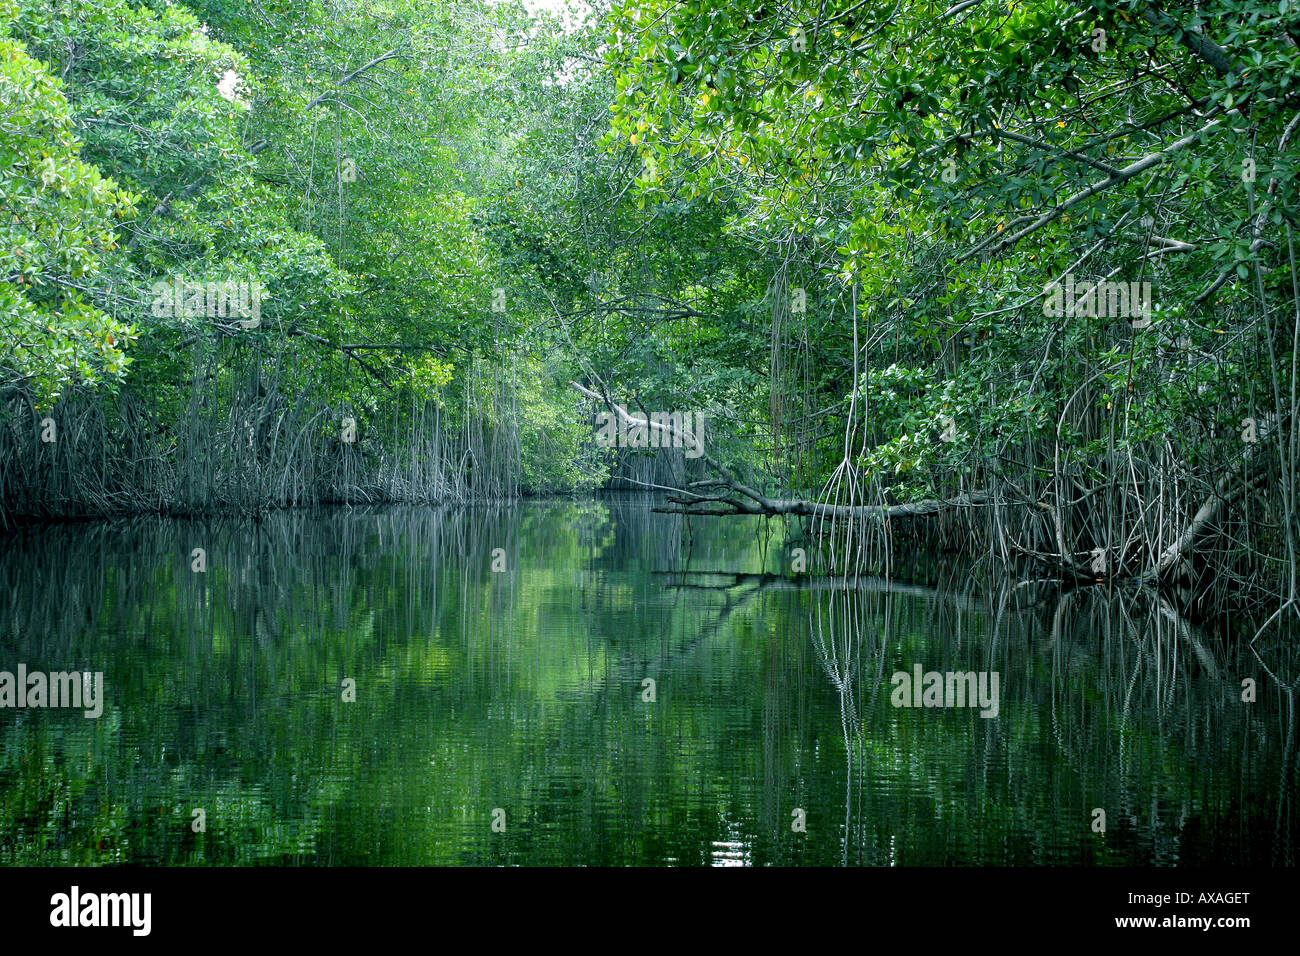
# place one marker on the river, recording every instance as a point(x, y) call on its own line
point(591, 682)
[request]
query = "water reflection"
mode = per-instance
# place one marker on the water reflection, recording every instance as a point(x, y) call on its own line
point(524, 690)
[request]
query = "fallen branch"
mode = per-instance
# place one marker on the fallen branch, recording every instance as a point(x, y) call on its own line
point(742, 499)
point(1232, 484)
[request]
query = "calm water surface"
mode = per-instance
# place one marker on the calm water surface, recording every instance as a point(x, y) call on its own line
point(525, 690)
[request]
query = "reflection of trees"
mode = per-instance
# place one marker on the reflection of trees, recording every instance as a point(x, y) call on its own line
point(1284, 843)
point(223, 688)
point(1107, 701)
point(522, 689)
point(837, 635)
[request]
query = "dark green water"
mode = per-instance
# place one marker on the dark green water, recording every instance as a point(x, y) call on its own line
point(522, 690)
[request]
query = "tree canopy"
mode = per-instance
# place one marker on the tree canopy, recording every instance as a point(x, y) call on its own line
point(1018, 276)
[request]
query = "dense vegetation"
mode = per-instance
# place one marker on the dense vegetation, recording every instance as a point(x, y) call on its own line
point(844, 230)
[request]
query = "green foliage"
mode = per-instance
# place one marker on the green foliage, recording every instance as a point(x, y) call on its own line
point(58, 224)
point(948, 167)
